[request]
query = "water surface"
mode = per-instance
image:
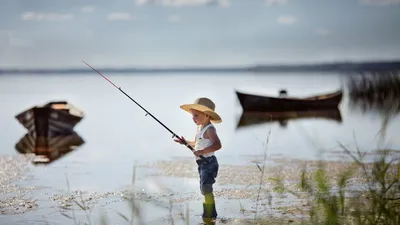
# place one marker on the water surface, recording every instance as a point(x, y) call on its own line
point(117, 133)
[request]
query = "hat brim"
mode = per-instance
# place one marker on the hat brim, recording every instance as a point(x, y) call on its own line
point(214, 117)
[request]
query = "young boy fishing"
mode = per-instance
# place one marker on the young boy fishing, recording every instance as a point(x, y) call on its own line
point(206, 142)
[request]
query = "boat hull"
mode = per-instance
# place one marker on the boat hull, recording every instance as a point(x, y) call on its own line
point(47, 121)
point(251, 102)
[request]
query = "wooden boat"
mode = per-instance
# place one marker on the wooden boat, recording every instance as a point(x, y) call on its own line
point(255, 118)
point(51, 119)
point(251, 102)
point(48, 149)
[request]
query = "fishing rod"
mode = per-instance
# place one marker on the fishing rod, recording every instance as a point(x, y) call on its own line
point(147, 112)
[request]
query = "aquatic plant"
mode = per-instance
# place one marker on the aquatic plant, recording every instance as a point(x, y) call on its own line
point(361, 193)
point(375, 92)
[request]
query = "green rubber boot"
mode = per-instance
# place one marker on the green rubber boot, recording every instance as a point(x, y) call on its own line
point(209, 211)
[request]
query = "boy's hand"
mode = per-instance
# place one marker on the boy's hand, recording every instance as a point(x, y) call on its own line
point(198, 153)
point(179, 140)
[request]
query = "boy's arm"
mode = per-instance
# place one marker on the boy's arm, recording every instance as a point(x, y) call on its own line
point(211, 134)
point(191, 143)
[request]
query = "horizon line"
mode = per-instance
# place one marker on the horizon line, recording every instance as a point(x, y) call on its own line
point(339, 65)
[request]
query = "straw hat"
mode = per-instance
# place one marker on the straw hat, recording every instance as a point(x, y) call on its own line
point(206, 106)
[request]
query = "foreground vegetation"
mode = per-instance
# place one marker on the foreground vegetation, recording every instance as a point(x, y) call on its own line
point(340, 200)
point(361, 191)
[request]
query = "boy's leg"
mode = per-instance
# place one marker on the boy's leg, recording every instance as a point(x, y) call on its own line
point(208, 173)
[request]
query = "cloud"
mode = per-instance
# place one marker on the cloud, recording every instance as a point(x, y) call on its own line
point(322, 32)
point(380, 2)
point(174, 19)
point(119, 16)
point(142, 2)
point(178, 3)
point(88, 9)
point(46, 16)
point(287, 20)
point(276, 2)
point(224, 3)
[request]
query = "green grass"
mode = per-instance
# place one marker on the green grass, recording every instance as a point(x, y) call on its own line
point(337, 200)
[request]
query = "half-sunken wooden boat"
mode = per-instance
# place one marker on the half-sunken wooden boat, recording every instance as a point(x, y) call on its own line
point(256, 118)
point(48, 149)
point(251, 102)
point(51, 119)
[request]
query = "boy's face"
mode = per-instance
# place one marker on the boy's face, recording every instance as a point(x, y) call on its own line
point(199, 117)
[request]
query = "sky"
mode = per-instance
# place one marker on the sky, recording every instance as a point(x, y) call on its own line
point(163, 33)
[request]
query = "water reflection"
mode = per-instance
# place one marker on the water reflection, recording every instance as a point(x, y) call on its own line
point(376, 93)
point(209, 221)
point(48, 149)
point(256, 118)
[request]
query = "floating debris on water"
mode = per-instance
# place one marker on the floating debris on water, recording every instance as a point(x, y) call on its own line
point(17, 205)
point(13, 169)
point(247, 178)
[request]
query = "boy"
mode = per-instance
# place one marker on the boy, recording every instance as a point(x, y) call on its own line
point(206, 143)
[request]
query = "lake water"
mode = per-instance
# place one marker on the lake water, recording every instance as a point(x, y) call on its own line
point(117, 133)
